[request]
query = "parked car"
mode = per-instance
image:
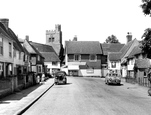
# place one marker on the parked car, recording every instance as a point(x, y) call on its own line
point(60, 77)
point(112, 78)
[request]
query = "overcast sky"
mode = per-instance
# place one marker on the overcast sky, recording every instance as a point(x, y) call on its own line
point(90, 20)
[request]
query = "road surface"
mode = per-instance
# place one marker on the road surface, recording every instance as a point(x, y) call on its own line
point(91, 96)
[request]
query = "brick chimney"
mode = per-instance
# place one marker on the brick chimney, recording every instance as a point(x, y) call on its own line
point(129, 37)
point(27, 37)
point(75, 38)
point(5, 22)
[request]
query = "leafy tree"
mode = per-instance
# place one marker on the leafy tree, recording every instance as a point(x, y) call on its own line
point(146, 7)
point(146, 42)
point(112, 39)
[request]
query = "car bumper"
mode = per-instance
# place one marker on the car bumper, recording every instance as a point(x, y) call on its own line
point(115, 81)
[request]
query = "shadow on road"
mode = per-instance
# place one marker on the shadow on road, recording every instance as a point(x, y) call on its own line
point(116, 84)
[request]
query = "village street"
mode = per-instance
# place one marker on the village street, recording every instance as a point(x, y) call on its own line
point(91, 96)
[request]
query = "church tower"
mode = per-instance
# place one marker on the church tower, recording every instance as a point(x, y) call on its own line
point(54, 38)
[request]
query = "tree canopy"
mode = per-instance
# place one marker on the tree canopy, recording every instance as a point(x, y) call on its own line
point(146, 7)
point(146, 42)
point(111, 39)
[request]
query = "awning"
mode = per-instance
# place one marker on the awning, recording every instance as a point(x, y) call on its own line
point(73, 67)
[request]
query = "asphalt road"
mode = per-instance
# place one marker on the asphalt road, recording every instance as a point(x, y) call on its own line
point(91, 96)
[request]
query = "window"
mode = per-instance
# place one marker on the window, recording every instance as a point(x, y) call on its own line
point(113, 64)
point(10, 50)
point(39, 69)
point(77, 57)
point(38, 58)
point(1, 46)
point(92, 57)
point(19, 55)
point(51, 39)
point(54, 63)
point(14, 52)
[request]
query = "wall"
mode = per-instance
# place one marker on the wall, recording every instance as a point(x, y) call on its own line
point(5, 57)
point(17, 60)
point(84, 72)
point(50, 66)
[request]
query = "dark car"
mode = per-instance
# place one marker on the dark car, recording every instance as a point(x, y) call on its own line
point(60, 77)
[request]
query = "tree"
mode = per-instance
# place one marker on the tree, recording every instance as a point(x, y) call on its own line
point(61, 54)
point(111, 39)
point(146, 42)
point(146, 7)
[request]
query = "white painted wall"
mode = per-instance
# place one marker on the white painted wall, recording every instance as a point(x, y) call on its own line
point(96, 72)
point(17, 60)
point(50, 66)
point(5, 57)
point(130, 66)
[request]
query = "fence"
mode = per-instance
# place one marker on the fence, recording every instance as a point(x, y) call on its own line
point(143, 81)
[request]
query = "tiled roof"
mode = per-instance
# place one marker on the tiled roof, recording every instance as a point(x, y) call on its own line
point(142, 63)
point(4, 31)
point(136, 50)
point(126, 47)
point(42, 47)
point(114, 56)
point(30, 48)
point(47, 52)
point(83, 47)
point(112, 47)
point(50, 57)
point(11, 35)
point(17, 44)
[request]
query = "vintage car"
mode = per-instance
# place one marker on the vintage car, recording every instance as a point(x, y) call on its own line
point(112, 78)
point(60, 77)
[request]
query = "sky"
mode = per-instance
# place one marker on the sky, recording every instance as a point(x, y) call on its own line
point(89, 20)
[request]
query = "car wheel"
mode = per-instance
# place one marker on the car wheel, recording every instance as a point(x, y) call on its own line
point(107, 82)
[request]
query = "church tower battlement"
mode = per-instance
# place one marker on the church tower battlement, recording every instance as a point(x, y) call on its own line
point(54, 38)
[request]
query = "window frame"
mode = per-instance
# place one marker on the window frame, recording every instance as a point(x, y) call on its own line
point(1, 46)
point(113, 66)
point(10, 49)
point(77, 58)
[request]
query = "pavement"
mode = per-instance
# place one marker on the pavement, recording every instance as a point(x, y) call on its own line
point(17, 103)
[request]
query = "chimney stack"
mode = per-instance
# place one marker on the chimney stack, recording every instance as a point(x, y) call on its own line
point(5, 22)
point(129, 37)
point(75, 38)
point(27, 37)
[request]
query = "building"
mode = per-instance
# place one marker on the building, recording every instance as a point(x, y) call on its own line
point(52, 61)
point(83, 58)
point(54, 38)
point(6, 50)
